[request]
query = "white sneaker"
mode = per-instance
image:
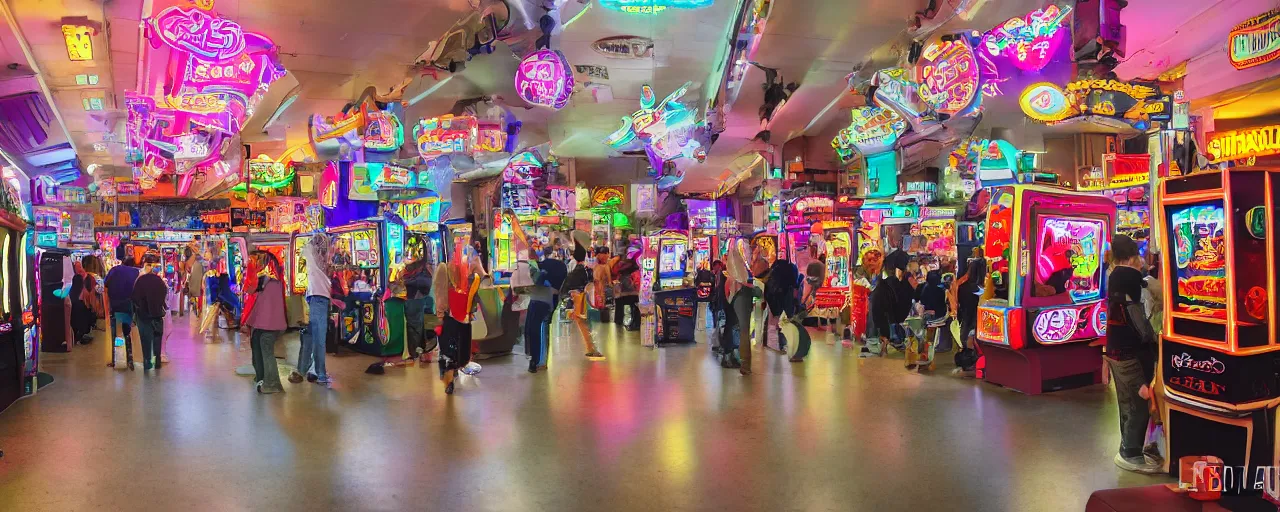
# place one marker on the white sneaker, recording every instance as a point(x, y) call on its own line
point(1144, 464)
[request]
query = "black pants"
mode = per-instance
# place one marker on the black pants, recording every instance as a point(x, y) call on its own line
point(633, 303)
point(455, 345)
point(415, 326)
point(150, 334)
point(536, 326)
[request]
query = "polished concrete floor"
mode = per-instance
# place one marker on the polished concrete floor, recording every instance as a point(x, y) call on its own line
point(644, 430)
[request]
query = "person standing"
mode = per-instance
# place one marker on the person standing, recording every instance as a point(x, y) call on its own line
point(417, 285)
point(82, 317)
point(118, 296)
point(149, 294)
point(628, 275)
point(602, 281)
point(317, 256)
point(194, 287)
point(542, 302)
point(1131, 358)
point(574, 287)
point(268, 318)
point(455, 290)
point(739, 286)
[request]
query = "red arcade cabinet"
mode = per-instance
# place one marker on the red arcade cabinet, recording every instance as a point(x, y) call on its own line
point(1045, 247)
point(1220, 356)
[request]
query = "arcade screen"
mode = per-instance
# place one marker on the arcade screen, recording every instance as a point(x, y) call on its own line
point(839, 247)
point(1196, 232)
point(1068, 258)
point(365, 252)
point(670, 259)
point(395, 250)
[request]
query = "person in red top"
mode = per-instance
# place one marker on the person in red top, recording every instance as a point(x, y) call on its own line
point(454, 291)
point(268, 318)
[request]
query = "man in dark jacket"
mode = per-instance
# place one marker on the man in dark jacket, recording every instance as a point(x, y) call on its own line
point(148, 297)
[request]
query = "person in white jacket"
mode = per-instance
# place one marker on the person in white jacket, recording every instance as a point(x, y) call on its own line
point(317, 255)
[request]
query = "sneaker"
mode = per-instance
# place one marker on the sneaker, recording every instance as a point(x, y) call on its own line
point(1143, 464)
point(324, 380)
point(1152, 451)
point(311, 377)
point(295, 377)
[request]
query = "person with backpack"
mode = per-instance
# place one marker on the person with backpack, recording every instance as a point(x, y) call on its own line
point(118, 295)
point(1131, 353)
point(149, 293)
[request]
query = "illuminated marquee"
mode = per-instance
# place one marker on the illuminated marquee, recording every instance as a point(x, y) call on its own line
point(79, 41)
point(1238, 144)
point(198, 32)
point(652, 6)
point(1256, 41)
point(1136, 103)
point(1029, 42)
point(545, 79)
point(444, 135)
point(873, 130)
point(948, 75)
point(383, 132)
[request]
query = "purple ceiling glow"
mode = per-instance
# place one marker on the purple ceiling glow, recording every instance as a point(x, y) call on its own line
point(24, 122)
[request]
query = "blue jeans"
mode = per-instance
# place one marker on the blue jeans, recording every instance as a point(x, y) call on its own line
point(311, 350)
point(536, 327)
point(125, 319)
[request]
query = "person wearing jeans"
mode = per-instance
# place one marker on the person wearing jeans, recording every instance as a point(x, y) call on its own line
point(1131, 358)
point(319, 292)
point(118, 295)
point(149, 293)
point(542, 301)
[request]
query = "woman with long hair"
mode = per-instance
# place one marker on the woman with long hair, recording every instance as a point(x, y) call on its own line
point(455, 286)
point(742, 293)
point(268, 319)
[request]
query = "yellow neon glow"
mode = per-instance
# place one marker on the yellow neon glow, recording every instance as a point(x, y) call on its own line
point(79, 40)
point(26, 290)
point(4, 261)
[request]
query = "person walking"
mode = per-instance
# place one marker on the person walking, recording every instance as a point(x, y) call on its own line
point(542, 303)
point(82, 317)
point(1132, 358)
point(149, 294)
point(316, 256)
point(268, 318)
point(574, 287)
point(739, 286)
point(602, 283)
point(455, 287)
point(627, 272)
point(118, 296)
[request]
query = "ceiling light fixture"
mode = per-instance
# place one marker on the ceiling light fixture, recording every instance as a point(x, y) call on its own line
point(430, 90)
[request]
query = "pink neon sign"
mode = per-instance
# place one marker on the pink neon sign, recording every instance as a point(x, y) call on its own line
point(948, 74)
point(544, 79)
point(198, 32)
point(1029, 42)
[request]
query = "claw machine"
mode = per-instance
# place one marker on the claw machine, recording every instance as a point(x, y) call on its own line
point(703, 231)
point(1045, 247)
point(1219, 349)
point(367, 256)
point(834, 294)
point(801, 215)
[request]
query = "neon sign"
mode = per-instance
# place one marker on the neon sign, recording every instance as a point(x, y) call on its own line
point(652, 6)
point(1045, 102)
point(1200, 259)
point(197, 32)
point(444, 135)
point(948, 75)
point(1254, 42)
point(1239, 144)
point(665, 130)
point(383, 131)
point(872, 130)
point(1029, 41)
point(79, 41)
point(545, 79)
point(1132, 102)
point(1212, 365)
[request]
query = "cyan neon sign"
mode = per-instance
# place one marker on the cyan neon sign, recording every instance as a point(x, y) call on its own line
point(653, 6)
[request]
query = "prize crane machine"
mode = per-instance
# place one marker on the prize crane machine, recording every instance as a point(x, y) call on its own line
point(672, 246)
point(702, 231)
point(1046, 248)
point(1219, 350)
point(800, 216)
point(510, 244)
point(834, 294)
point(367, 255)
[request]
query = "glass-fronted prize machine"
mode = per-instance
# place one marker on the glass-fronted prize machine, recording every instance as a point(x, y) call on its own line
point(509, 246)
point(1219, 349)
point(1045, 250)
point(703, 231)
point(801, 215)
point(675, 302)
point(367, 255)
point(833, 296)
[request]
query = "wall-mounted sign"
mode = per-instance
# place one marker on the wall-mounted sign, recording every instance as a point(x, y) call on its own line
point(1256, 41)
point(1045, 102)
point(872, 130)
point(1238, 144)
point(603, 196)
point(544, 79)
point(624, 47)
point(79, 41)
point(652, 6)
point(592, 71)
point(948, 75)
point(1030, 41)
point(1117, 171)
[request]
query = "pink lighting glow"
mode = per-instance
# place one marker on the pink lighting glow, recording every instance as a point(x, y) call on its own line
point(1029, 42)
point(198, 32)
point(544, 78)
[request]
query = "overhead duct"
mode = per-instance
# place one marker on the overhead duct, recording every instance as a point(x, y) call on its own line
point(280, 95)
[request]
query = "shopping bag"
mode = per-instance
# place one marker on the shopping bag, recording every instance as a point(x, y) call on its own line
point(207, 317)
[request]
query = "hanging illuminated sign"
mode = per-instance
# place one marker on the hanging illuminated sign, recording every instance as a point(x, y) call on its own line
point(1029, 42)
point(948, 75)
point(444, 135)
point(1136, 103)
point(873, 130)
point(383, 132)
point(1238, 144)
point(1045, 102)
point(192, 30)
point(1256, 41)
point(544, 78)
point(664, 129)
point(79, 41)
point(652, 6)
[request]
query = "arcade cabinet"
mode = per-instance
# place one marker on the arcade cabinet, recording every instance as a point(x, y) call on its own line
point(702, 231)
point(676, 304)
point(367, 255)
point(30, 325)
point(55, 312)
point(833, 295)
point(1219, 350)
point(769, 243)
point(801, 214)
point(1045, 247)
point(672, 246)
point(17, 358)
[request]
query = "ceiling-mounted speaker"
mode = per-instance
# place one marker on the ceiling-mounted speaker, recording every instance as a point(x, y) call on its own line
point(913, 54)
